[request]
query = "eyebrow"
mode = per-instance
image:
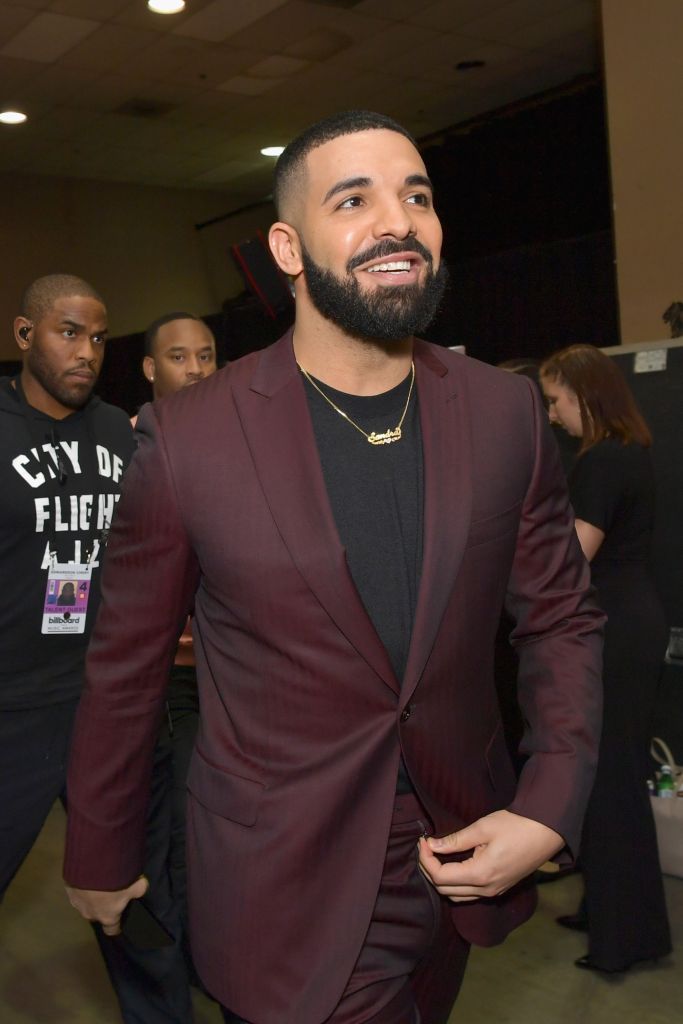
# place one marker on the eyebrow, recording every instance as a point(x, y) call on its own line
point(419, 179)
point(345, 184)
point(75, 326)
point(363, 182)
point(183, 348)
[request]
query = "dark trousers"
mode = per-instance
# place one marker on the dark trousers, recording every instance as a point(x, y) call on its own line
point(412, 962)
point(34, 745)
point(153, 985)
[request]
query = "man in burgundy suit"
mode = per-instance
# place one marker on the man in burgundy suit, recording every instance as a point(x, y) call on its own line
point(349, 510)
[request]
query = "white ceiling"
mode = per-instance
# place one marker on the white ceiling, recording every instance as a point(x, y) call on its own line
point(226, 77)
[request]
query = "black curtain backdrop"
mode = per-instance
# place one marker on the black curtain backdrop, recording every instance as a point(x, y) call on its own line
point(524, 199)
point(532, 300)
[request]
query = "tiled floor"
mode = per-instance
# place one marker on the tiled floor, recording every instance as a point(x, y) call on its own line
point(50, 969)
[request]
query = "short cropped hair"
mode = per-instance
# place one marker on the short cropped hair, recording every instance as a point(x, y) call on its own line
point(41, 295)
point(291, 162)
point(167, 318)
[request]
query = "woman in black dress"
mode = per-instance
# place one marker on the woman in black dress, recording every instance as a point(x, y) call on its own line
point(612, 491)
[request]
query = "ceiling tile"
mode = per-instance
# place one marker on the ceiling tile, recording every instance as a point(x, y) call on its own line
point(500, 23)
point(103, 9)
point(65, 122)
point(167, 53)
point(581, 47)
point(16, 76)
point(59, 83)
point(216, 63)
point(386, 47)
point(110, 47)
point(104, 93)
point(281, 27)
point(453, 14)
point(213, 106)
point(245, 86)
point(277, 67)
point(34, 5)
point(21, 154)
point(548, 29)
point(318, 45)
point(12, 19)
point(399, 9)
point(437, 59)
point(221, 18)
point(48, 36)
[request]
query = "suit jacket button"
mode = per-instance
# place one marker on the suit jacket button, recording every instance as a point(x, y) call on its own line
point(406, 713)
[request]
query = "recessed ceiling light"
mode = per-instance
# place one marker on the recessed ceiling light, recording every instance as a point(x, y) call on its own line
point(12, 117)
point(272, 150)
point(166, 6)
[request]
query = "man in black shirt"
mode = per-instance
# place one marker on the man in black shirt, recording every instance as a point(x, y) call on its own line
point(153, 984)
point(62, 456)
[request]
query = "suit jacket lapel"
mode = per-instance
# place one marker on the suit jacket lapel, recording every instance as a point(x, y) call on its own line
point(446, 443)
point(274, 415)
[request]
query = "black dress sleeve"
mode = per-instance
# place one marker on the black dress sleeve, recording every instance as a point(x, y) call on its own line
point(596, 485)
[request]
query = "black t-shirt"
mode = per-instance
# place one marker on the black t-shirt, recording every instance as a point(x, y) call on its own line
point(612, 487)
point(61, 498)
point(376, 493)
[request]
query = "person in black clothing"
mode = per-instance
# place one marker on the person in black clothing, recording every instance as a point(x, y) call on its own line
point(612, 490)
point(153, 985)
point(62, 457)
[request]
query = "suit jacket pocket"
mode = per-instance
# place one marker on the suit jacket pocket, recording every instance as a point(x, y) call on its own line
point(492, 527)
point(230, 796)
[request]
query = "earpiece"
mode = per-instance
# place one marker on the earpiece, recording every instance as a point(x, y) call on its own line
point(23, 331)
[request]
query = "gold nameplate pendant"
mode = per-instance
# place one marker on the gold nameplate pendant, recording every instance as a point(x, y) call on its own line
point(388, 437)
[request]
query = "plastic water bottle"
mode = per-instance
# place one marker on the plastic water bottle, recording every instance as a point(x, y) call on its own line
point(665, 783)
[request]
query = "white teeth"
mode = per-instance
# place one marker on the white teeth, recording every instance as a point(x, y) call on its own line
point(396, 265)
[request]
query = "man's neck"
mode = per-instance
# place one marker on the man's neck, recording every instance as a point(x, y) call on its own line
point(353, 365)
point(39, 399)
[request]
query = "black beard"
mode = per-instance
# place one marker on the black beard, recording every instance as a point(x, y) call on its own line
point(51, 382)
point(387, 314)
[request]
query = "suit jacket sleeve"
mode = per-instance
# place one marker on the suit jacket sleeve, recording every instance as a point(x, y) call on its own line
point(127, 671)
point(558, 637)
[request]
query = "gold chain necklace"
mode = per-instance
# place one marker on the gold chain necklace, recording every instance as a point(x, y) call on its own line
point(388, 436)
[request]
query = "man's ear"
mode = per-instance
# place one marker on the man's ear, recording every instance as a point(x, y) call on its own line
point(148, 368)
point(22, 332)
point(285, 246)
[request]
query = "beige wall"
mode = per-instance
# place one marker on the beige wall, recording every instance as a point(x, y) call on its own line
point(644, 80)
point(136, 245)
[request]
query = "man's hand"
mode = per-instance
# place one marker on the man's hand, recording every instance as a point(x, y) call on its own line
point(106, 907)
point(506, 848)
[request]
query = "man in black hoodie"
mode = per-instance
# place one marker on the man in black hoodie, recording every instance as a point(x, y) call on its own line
point(62, 456)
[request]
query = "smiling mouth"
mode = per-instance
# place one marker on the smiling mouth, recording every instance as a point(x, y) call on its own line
point(395, 268)
point(392, 267)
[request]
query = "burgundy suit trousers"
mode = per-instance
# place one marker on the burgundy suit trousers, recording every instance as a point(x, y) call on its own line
point(412, 962)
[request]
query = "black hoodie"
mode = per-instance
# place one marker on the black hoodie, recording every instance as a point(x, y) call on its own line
point(59, 497)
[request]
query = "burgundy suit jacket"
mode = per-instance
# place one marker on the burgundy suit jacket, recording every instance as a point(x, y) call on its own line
point(302, 720)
